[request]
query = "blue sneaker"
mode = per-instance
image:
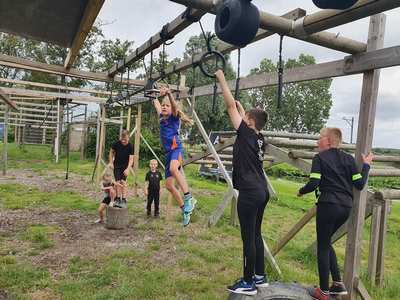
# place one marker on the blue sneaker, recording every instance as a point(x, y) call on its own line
point(242, 287)
point(260, 281)
point(185, 219)
point(189, 205)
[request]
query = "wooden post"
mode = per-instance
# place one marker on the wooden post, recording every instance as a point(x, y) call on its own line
point(5, 139)
point(121, 117)
point(85, 127)
point(57, 141)
point(137, 146)
point(373, 243)
point(128, 119)
point(364, 143)
point(116, 218)
point(101, 141)
point(98, 130)
point(44, 136)
point(380, 261)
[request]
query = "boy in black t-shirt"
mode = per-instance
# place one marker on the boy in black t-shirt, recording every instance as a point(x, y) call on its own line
point(121, 160)
point(335, 173)
point(249, 179)
point(153, 188)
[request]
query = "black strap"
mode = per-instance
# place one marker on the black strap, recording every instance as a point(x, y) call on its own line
point(214, 103)
point(280, 74)
point(187, 14)
point(165, 34)
point(237, 91)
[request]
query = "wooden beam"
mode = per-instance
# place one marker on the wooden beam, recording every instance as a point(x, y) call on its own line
point(295, 229)
point(54, 95)
point(373, 241)
point(174, 27)
point(32, 125)
point(47, 116)
point(388, 194)
point(25, 64)
point(296, 29)
point(359, 286)
point(54, 86)
point(5, 142)
point(29, 120)
point(356, 64)
point(227, 48)
point(29, 109)
point(7, 100)
point(365, 133)
point(89, 16)
point(137, 147)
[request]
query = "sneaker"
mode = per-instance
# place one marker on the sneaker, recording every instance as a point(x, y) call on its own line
point(117, 203)
point(242, 287)
point(124, 204)
point(99, 221)
point(156, 215)
point(317, 294)
point(337, 288)
point(189, 205)
point(185, 219)
point(261, 281)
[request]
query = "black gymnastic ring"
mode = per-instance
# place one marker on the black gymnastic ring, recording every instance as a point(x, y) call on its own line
point(218, 54)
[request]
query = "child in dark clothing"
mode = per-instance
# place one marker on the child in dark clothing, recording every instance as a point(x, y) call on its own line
point(249, 179)
point(153, 188)
point(107, 186)
point(335, 173)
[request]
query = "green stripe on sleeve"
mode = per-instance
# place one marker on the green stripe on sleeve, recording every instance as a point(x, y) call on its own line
point(315, 175)
point(357, 176)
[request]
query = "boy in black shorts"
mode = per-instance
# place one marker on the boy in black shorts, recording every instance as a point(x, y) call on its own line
point(335, 173)
point(249, 179)
point(153, 188)
point(121, 160)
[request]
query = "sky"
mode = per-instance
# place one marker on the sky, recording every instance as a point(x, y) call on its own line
point(137, 20)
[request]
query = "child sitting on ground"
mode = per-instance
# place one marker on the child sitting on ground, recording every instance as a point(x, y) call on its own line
point(153, 188)
point(107, 186)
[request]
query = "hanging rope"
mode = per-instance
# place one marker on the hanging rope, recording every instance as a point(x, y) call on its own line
point(280, 74)
point(237, 91)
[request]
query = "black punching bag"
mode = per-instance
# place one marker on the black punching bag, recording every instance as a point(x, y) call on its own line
point(334, 4)
point(237, 22)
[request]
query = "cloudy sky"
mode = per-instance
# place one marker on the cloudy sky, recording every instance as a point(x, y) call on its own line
point(137, 20)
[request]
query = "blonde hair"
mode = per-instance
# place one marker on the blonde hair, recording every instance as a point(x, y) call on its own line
point(125, 134)
point(181, 115)
point(153, 161)
point(334, 134)
point(107, 177)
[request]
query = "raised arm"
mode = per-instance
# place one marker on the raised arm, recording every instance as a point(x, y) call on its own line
point(240, 108)
point(157, 106)
point(230, 102)
point(174, 105)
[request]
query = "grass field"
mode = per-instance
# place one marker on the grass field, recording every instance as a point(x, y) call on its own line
point(50, 250)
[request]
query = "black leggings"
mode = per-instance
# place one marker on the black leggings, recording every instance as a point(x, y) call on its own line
point(250, 207)
point(329, 218)
point(153, 196)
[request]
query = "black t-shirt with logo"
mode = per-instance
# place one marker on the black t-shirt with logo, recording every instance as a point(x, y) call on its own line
point(248, 155)
point(154, 179)
point(121, 156)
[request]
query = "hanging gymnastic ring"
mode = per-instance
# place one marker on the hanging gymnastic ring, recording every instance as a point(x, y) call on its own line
point(203, 58)
point(334, 4)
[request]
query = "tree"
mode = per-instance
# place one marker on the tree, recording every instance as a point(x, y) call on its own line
point(305, 105)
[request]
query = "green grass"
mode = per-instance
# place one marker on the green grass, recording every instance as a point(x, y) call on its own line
point(176, 263)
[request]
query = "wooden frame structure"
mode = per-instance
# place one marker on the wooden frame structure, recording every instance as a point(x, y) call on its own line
point(365, 58)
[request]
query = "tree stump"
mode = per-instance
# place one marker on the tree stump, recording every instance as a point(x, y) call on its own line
point(117, 218)
point(276, 291)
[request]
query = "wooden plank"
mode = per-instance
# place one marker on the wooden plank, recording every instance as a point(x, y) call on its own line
point(54, 86)
point(391, 194)
point(7, 100)
point(271, 259)
point(54, 95)
point(295, 229)
point(5, 142)
point(364, 144)
point(128, 120)
point(174, 27)
point(33, 126)
point(219, 211)
point(25, 64)
point(380, 261)
point(282, 155)
point(41, 116)
point(377, 59)
point(57, 142)
point(89, 16)
point(384, 172)
point(373, 243)
point(30, 120)
point(359, 286)
point(137, 146)
point(29, 109)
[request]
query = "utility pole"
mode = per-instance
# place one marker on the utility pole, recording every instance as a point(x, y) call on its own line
point(350, 121)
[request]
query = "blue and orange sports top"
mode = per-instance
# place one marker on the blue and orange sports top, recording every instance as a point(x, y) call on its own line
point(169, 132)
